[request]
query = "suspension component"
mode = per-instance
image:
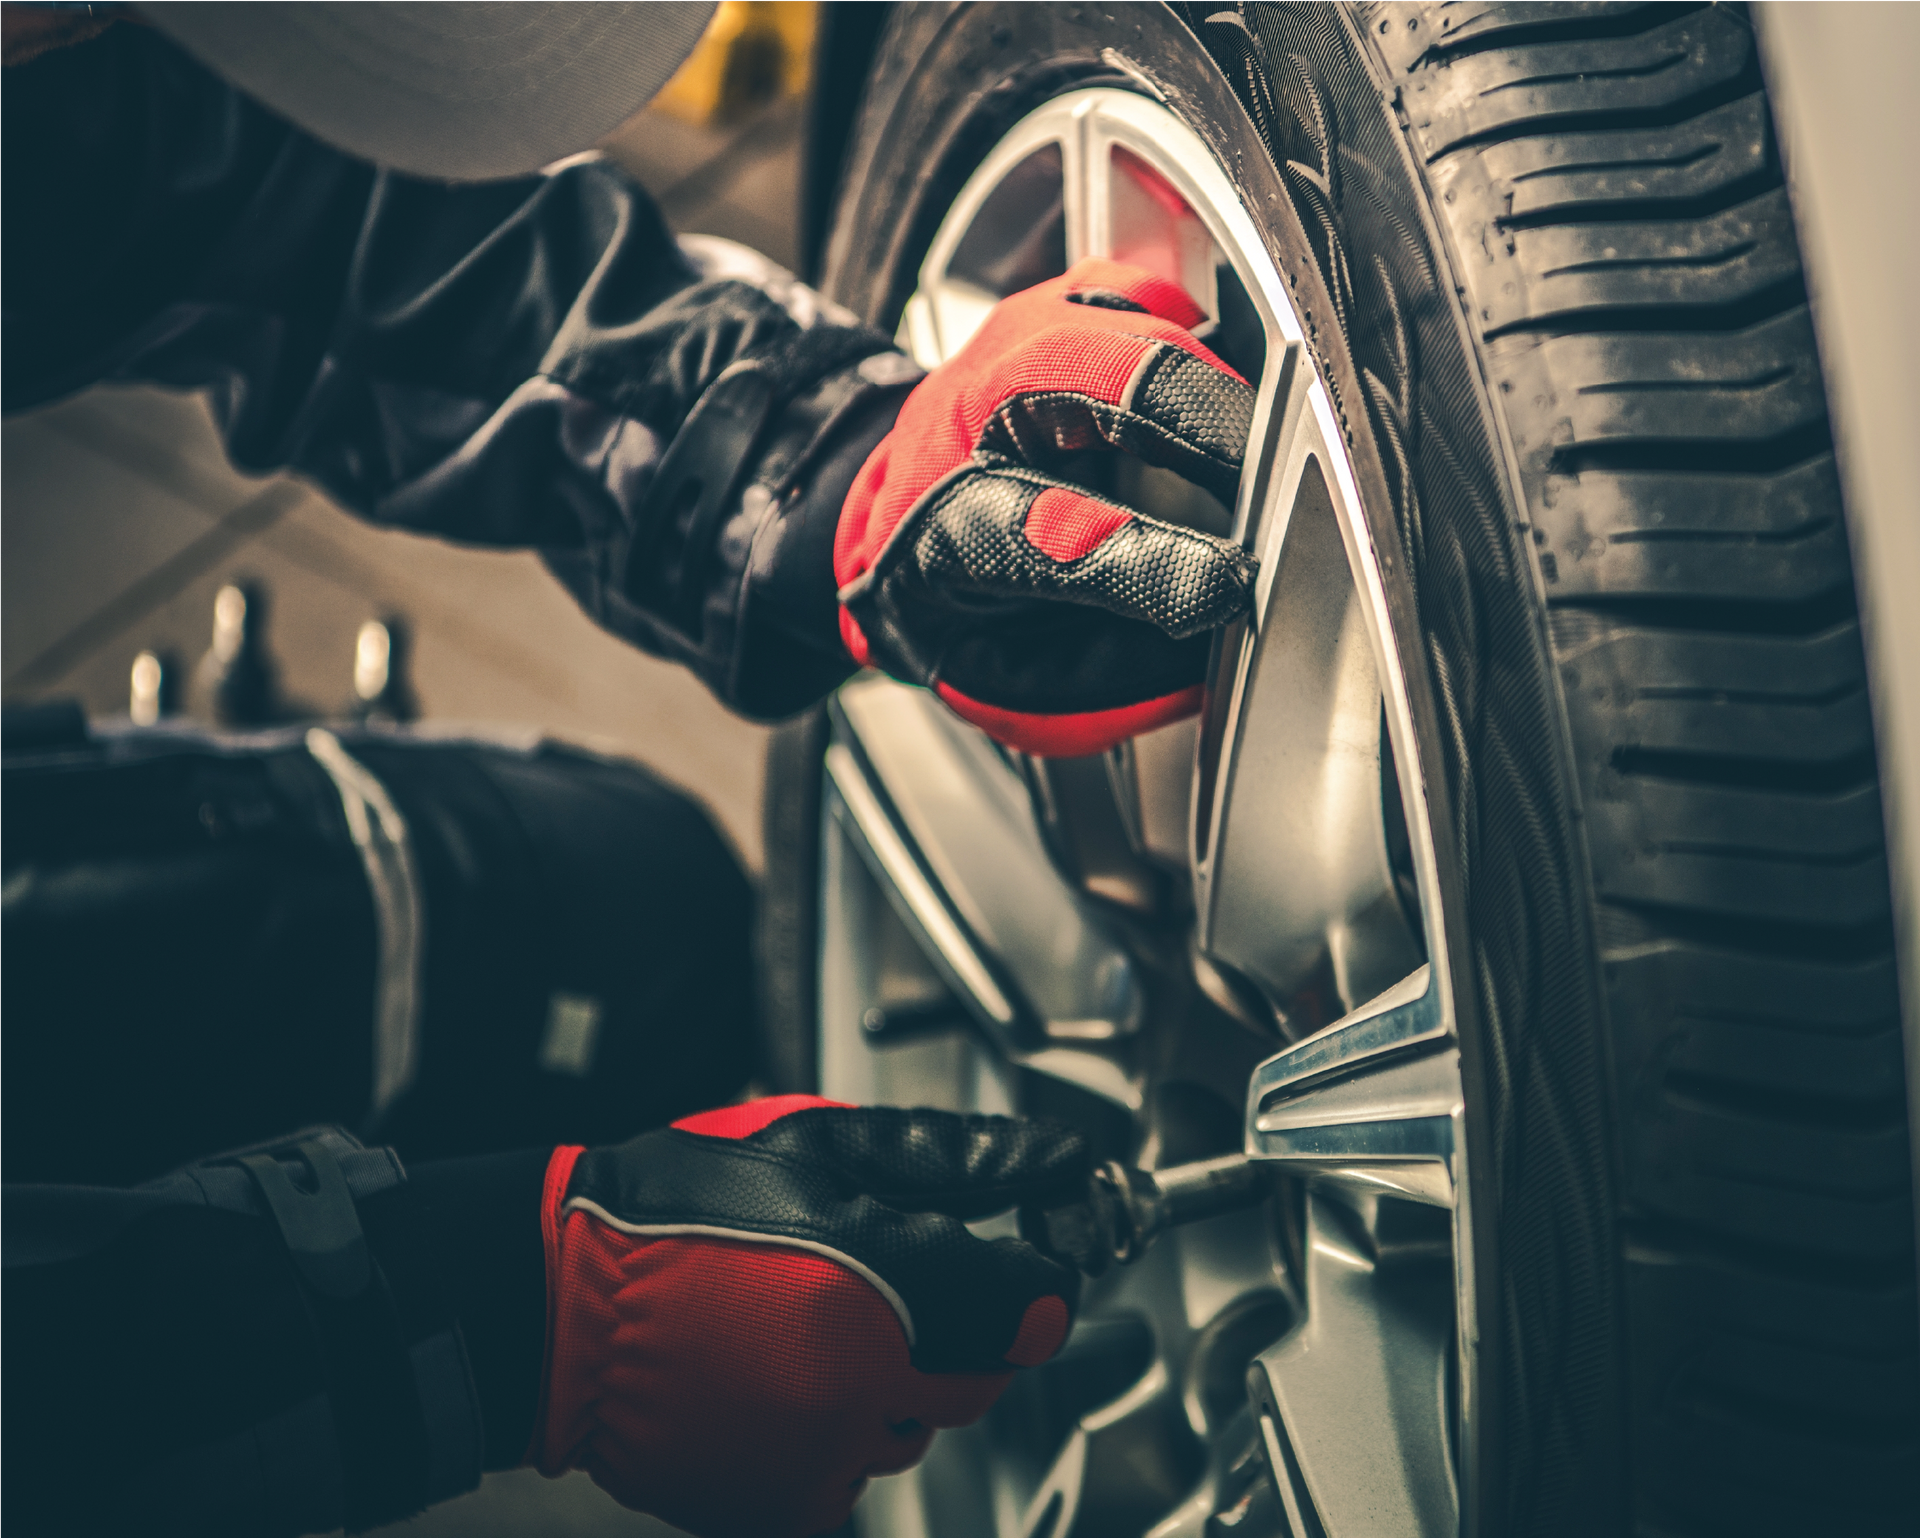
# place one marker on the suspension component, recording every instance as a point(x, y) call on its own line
point(1127, 1209)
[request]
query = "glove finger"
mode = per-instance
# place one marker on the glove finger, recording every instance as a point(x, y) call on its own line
point(1180, 580)
point(909, 1180)
point(913, 1159)
point(922, 1160)
point(1004, 534)
point(880, 1191)
point(1166, 400)
point(1072, 672)
point(975, 1305)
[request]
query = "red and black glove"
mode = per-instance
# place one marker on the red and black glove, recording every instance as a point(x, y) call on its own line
point(757, 1309)
point(1058, 621)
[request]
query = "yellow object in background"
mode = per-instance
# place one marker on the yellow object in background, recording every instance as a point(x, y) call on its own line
point(753, 53)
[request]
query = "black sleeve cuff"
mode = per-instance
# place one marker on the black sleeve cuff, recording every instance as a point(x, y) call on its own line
point(481, 1217)
point(789, 653)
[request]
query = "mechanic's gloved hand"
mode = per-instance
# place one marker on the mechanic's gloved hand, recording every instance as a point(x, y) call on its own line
point(1052, 618)
point(752, 1312)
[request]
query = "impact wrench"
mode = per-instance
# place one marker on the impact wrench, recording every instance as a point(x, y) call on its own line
point(1126, 1209)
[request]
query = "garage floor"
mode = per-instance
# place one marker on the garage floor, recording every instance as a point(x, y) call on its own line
point(122, 519)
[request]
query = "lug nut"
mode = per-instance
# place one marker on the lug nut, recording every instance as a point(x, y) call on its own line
point(1127, 1209)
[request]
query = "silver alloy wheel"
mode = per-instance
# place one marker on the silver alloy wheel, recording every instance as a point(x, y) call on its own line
point(963, 957)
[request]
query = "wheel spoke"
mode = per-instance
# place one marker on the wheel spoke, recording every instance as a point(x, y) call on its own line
point(1134, 1454)
point(1354, 1403)
point(1085, 205)
point(958, 857)
point(1372, 1102)
point(1290, 839)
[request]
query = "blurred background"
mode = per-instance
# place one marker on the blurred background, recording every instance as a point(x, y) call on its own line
point(123, 520)
point(123, 523)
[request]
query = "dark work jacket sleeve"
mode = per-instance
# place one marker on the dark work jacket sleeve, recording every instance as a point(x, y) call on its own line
point(182, 1358)
point(534, 362)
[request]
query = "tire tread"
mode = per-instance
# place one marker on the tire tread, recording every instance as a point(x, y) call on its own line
point(1609, 185)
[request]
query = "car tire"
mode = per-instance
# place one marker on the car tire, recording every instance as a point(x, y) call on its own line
point(1551, 280)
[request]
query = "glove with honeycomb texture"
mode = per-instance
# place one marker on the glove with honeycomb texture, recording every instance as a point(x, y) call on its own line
point(968, 558)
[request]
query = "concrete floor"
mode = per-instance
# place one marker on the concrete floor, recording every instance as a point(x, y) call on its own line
point(121, 519)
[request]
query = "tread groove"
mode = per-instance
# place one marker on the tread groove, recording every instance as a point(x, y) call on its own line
point(1687, 386)
point(1636, 72)
point(1724, 258)
point(1741, 935)
point(1729, 319)
point(1694, 169)
point(1827, 1425)
point(1816, 778)
point(1578, 24)
point(1873, 1114)
point(1629, 80)
point(1654, 1241)
point(1817, 615)
point(1786, 451)
point(1569, 167)
point(1576, 121)
point(1838, 860)
point(1724, 536)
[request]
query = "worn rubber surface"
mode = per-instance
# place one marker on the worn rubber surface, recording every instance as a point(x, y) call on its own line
point(1549, 275)
point(1606, 180)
